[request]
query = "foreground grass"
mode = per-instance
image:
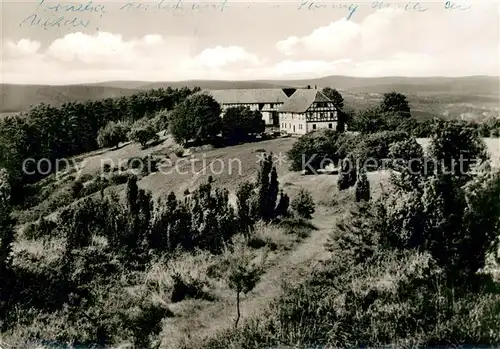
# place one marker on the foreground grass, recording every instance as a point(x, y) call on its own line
point(394, 299)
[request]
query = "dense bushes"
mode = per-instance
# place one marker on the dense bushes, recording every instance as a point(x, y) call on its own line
point(376, 145)
point(316, 150)
point(447, 210)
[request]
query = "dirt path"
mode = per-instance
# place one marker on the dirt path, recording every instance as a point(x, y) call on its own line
point(221, 314)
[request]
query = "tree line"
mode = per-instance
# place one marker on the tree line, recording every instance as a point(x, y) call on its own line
point(393, 113)
point(53, 133)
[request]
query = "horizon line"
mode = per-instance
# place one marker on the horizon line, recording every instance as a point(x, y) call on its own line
point(254, 80)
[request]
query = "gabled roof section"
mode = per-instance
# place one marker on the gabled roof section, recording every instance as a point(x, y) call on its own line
point(302, 99)
point(249, 96)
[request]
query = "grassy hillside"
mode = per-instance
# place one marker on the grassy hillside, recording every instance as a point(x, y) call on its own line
point(292, 253)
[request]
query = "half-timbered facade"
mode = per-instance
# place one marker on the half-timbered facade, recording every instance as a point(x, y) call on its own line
point(307, 110)
point(267, 101)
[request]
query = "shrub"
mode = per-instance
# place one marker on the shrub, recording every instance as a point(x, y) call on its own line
point(184, 288)
point(455, 218)
point(179, 152)
point(40, 229)
point(119, 178)
point(303, 204)
point(457, 145)
point(76, 188)
point(403, 152)
point(94, 186)
point(134, 162)
point(86, 177)
point(112, 134)
point(150, 165)
point(272, 236)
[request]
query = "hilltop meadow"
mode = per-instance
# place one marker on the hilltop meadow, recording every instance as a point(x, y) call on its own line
point(169, 227)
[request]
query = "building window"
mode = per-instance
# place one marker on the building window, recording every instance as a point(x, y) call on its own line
point(332, 115)
point(329, 125)
point(314, 126)
point(289, 125)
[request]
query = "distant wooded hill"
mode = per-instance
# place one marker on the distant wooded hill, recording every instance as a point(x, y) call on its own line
point(15, 98)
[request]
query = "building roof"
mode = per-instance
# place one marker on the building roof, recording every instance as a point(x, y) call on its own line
point(302, 99)
point(249, 96)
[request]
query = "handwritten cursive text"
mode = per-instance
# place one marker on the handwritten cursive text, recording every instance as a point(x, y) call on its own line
point(312, 5)
point(450, 5)
point(88, 7)
point(409, 6)
point(35, 20)
point(177, 5)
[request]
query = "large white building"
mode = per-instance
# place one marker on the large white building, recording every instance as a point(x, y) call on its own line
point(307, 110)
point(267, 101)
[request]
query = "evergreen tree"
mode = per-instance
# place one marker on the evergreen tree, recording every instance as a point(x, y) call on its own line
point(303, 204)
point(283, 205)
point(244, 195)
point(347, 175)
point(272, 194)
point(362, 187)
point(263, 185)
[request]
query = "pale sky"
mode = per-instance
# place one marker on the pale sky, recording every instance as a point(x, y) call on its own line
point(47, 42)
